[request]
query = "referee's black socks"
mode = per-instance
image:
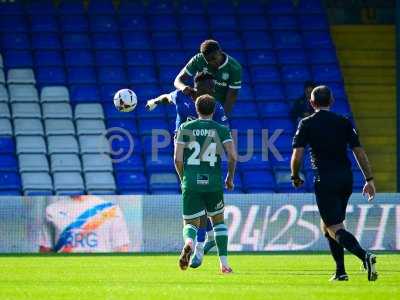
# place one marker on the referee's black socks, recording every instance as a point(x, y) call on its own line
point(348, 241)
point(337, 254)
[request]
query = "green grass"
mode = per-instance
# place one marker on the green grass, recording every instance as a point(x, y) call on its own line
point(275, 276)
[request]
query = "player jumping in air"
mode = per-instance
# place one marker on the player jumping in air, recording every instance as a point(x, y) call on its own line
point(328, 136)
point(198, 163)
point(228, 80)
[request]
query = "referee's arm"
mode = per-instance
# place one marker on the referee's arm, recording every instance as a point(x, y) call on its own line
point(299, 143)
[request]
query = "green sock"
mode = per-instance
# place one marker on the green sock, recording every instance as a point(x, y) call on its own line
point(221, 238)
point(189, 232)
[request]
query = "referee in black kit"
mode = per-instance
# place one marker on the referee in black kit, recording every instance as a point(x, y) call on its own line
point(328, 136)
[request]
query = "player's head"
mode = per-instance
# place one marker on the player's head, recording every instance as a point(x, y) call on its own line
point(204, 83)
point(321, 96)
point(205, 106)
point(308, 87)
point(212, 53)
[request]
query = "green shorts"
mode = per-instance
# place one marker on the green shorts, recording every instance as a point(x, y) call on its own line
point(197, 204)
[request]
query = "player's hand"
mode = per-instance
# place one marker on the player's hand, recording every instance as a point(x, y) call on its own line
point(151, 104)
point(297, 182)
point(189, 91)
point(229, 183)
point(369, 190)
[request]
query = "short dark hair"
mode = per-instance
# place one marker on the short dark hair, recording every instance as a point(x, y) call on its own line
point(209, 46)
point(309, 83)
point(202, 76)
point(322, 95)
point(205, 105)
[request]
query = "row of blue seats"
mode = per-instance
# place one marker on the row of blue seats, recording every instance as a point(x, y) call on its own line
point(134, 40)
point(117, 58)
point(159, 23)
point(105, 7)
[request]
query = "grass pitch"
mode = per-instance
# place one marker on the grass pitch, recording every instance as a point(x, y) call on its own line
point(267, 276)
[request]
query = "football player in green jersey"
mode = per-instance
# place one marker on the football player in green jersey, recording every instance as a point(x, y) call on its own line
point(226, 70)
point(198, 149)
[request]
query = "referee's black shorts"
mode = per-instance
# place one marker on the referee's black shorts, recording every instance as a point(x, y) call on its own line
point(332, 191)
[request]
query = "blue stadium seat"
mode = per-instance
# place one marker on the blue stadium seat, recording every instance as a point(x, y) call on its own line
point(245, 110)
point(136, 40)
point(7, 145)
point(298, 73)
point(103, 24)
point(107, 91)
point(76, 41)
point(249, 143)
point(125, 147)
point(142, 75)
point(284, 182)
point(126, 124)
point(165, 40)
point(279, 22)
point(11, 8)
point(274, 110)
point(229, 40)
point(74, 23)
point(8, 163)
point(160, 7)
point(84, 93)
point(317, 39)
point(13, 23)
point(249, 8)
point(163, 23)
point(48, 59)
point(215, 8)
point(239, 55)
point(100, 7)
point(193, 23)
point(279, 123)
point(145, 92)
point(10, 181)
point(40, 23)
point(338, 90)
point(139, 58)
point(256, 162)
point(341, 107)
point(147, 125)
point(292, 56)
point(132, 23)
point(48, 41)
point(78, 58)
point(284, 143)
point(168, 74)
point(81, 75)
point(255, 40)
point(268, 92)
point(287, 40)
point(189, 7)
point(192, 40)
point(132, 163)
point(109, 58)
point(18, 59)
point(246, 92)
point(163, 163)
point(265, 74)
point(111, 75)
point(171, 58)
point(322, 56)
point(327, 73)
point(151, 148)
point(104, 41)
point(243, 125)
point(14, 41)
point(258, 181)
point(128, 7)
point(111, 113)
point(131, 182)
point(294, 90)
point(223, 22)
point(51, 76)
point(261, 57)
point(313, 23)
point(252, 22)
point(68, 7)
point(143, 113)
point(280, 7)
point(310, 7)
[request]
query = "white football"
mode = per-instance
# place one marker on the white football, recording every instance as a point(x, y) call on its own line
point(125, 100)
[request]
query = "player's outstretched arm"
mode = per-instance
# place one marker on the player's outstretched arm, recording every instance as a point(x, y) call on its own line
point(162, 99)
point(232, 159)
point(180, 84)
point(363, 162)
point(295, 163)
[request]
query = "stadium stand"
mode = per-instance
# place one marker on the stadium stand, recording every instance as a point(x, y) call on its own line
point(63, 64)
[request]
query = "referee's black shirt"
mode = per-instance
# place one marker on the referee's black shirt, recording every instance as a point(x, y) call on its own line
point(328, 136)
